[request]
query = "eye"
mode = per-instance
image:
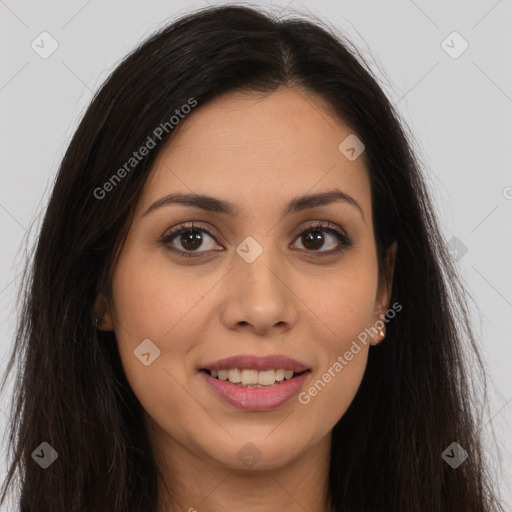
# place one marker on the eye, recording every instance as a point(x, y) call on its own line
point(191, 238)
point(313, 238)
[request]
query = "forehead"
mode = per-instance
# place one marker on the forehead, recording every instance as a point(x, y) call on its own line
point(259, 149)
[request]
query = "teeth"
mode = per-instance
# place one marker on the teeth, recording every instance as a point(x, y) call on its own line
point(235, 376)
point(267, 377)
point(249, 377)
point(253, 378)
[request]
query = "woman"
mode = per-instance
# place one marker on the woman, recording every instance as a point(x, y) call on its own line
point(240, 297)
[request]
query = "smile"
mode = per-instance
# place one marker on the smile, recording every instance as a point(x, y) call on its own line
point(251, 378)
point(255, 383)
point(255, 397)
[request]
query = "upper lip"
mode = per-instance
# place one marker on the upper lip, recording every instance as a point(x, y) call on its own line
point(260, 363)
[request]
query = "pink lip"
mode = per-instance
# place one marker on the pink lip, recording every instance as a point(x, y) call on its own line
point(260, 363)
point(256, 399)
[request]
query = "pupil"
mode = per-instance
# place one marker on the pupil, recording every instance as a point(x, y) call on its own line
point(314, 238)
point(191, 237)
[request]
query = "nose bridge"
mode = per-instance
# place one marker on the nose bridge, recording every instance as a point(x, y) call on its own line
point(259, 295)
point(259, 264)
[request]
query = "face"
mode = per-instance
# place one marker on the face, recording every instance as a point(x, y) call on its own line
point(271, 284)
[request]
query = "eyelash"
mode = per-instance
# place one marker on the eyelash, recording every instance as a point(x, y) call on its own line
point(344, 241)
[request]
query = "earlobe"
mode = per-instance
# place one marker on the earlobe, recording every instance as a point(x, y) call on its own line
point(104, 323)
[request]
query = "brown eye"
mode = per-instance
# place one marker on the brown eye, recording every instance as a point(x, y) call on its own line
point(191, 239)
point(188, 240)
point(313, 239)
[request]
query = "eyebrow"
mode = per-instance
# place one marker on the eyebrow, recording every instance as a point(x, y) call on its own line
point(213, 204)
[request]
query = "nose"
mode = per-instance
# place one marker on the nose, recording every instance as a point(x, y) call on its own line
point(258, 296)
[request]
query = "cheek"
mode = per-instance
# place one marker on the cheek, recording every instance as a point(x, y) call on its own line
point(156, 305)
point(344, 309)
point(343, 302)
point(342, 359)
point(348, 309)
point(152, 300)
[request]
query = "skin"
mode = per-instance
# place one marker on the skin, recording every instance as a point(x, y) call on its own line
point(258, 151)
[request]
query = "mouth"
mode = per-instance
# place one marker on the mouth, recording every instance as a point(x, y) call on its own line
point(255, 383)
point(251, 378)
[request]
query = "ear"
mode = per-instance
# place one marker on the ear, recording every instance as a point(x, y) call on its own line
point(384, 293)
point(103, 314)
point(105, 323)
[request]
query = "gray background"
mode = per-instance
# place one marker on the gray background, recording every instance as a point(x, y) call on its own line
point(459, 110)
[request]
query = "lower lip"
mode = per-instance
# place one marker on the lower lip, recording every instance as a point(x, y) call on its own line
point(256, 399)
